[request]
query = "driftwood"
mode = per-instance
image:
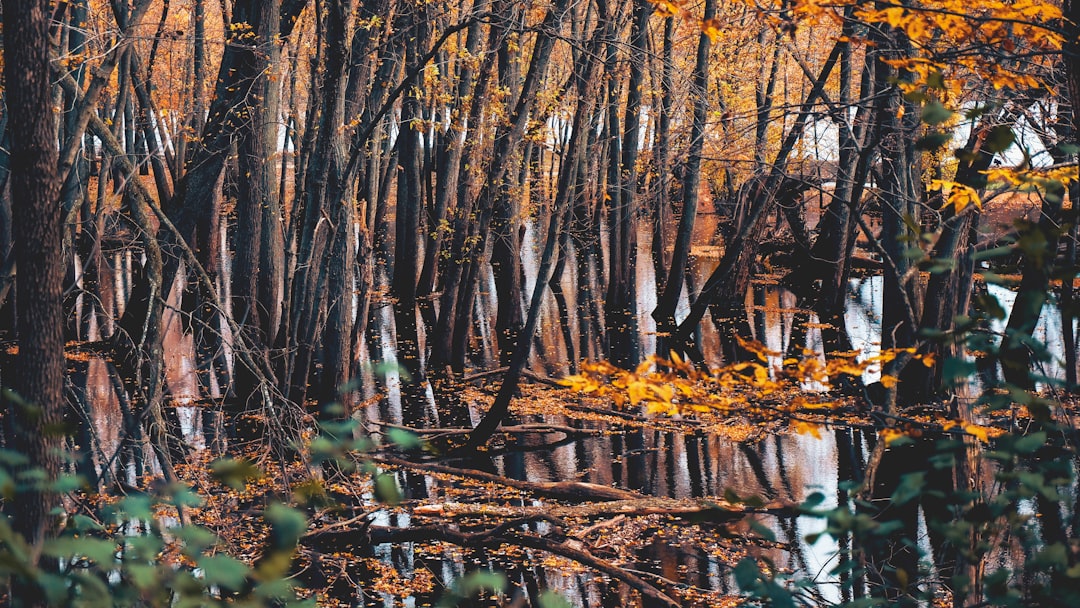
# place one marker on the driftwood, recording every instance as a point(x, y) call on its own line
point(692, 422)
point(504, 534)
point(518, 429)
point(575, 491)
point(502, 370)
point(711, 509)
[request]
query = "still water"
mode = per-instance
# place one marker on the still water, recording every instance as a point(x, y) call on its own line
point(675, 460)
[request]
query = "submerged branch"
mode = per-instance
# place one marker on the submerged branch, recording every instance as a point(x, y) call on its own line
point(500, 535)
point(563, 490)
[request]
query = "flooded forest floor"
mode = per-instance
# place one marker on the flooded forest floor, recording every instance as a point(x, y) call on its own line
point(604, 499)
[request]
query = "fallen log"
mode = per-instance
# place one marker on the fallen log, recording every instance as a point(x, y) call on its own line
point(504, 534)
point(576, 491)
point(715, 509)
point(517, 429)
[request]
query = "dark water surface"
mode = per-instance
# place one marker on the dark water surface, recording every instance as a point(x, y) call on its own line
point(676, 461)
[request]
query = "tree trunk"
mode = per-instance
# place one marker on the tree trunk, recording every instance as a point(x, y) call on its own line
point(307, 286)
point(31, 427)
point(506, 238)
point(620, 314)
point(507, 390)
point(673, 286)
point(407, 253)
point(254, 272)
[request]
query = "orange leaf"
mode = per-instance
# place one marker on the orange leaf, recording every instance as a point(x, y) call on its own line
point(980, 432)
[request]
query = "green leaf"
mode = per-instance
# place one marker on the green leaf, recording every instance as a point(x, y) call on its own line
point(234, 473)
point(991, 306)
point(334, 409)
point(953, 368)
point(82, 523)
point(136, 506)
point(934, 113)
point(1069, 149)
point(181, 495)
point(813, 501)
point(938, 265)
point(386, 489)
point(762, 530)
point(996, 252)
point(551, 599)
point(278, 591)
point(932, 141)
point(338, 430)
point(964, 155)
point(404, 439)
point(287, 525)
point(909, 488)
point(312, 492)
point(386, 368)
point(55, 588)
point(7, 485)
point(999, 139)
point(915, 96)
point(994, 278)
point(224, 571)
point(195, 538)
point(66, 484)
point(141, 548)
point(101, 552)
point(975, 112)
point(779, 597)
point(1053, 556)
point(1029, 444)
point(474, 583)
point(483, 580)
point(143, 576)
point(746, 574)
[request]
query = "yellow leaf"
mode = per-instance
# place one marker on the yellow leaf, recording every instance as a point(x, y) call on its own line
point(888, 381)
point(657, 407)
point(980, 432)
point(638, 392)
point(665, 392)
point(710, 27)
point(957, 195)
point(894, 16)
point(891, 435)
point(665, 8)
point(802, 428)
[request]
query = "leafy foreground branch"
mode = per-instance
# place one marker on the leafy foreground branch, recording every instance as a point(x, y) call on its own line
point(295, 537)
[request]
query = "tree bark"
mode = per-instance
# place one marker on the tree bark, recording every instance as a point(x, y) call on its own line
point(258, 230)
point(32, 425)
point(407, 253)
point(664, 314)
point(620, 303)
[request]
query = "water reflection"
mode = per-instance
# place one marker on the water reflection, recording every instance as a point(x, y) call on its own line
point(677, 463)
